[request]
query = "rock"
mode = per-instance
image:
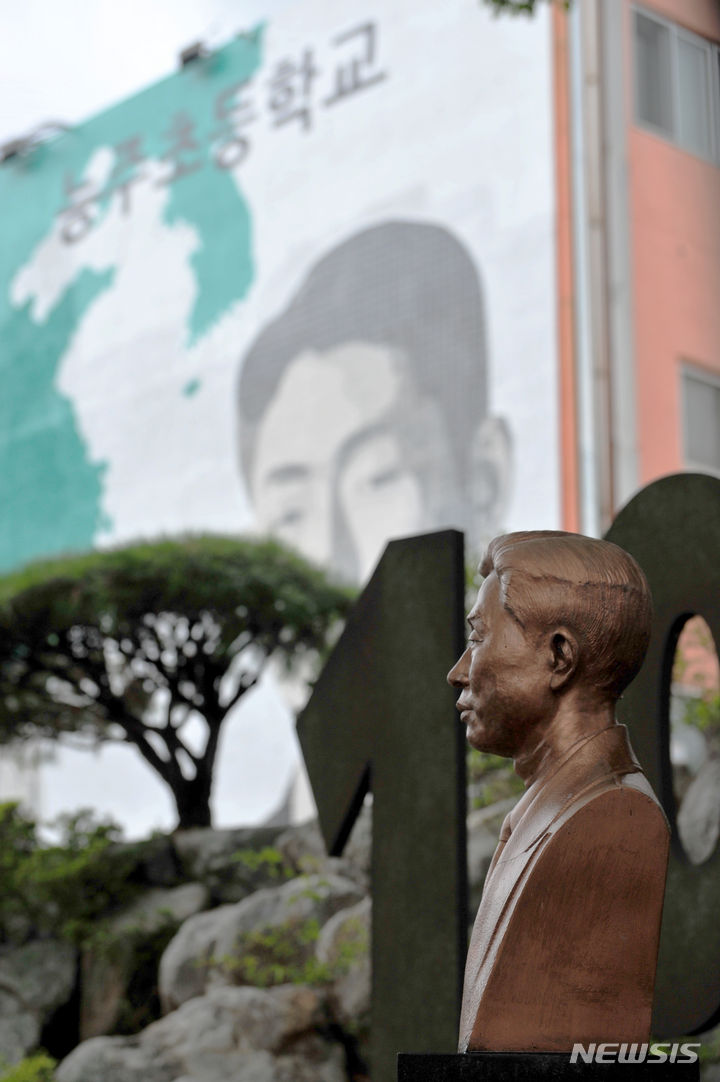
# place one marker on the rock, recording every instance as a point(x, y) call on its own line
point(102, 989)
point(159, 863)
point(344, 947)
point(34, 981)
point(483, 830)
point(244, 1034)
point(492, 816)
point(185, 962)
point(358, 850)
point(19, 1029)
point(107, 971)
point(159, 907)
point(249, 1033)
point(207, 948)
point(41, 974)
point(688, 744)
point(202, 850)
point(263, 1019)
point(215, 857)
point(115, 1059)
point(698, 819)
point(304, 849)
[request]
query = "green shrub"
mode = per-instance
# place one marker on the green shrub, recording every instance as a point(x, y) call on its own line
point(704, 714)
point(62, 889)
point(491, 778)
point(278, 955)
point(37, 1068)
point(284, 954)
point(268, 861)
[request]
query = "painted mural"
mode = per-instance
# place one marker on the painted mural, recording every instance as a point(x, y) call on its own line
point(303, 286)
point(362, 407)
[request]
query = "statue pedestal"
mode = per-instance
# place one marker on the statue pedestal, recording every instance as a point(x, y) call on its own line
point(529, 1066)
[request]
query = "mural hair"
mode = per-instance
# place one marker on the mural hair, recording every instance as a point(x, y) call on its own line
point(409, 286)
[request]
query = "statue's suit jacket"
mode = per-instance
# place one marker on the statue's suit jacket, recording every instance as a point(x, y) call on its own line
point(564, 946)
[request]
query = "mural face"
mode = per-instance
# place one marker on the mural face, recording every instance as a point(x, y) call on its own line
point(329, 476)
point(304, 286)
point(377, 427)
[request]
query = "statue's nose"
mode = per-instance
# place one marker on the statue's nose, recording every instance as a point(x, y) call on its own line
point(457, 677)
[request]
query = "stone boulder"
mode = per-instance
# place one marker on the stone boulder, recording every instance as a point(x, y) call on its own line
point(209, 947)
point(698, 819)
point(483, 831)
point(358, 849)
point(223, 860)
point(35, 980)
point(115, 1059)
point(158, 863)
point(343, 947)
point(244, 1034)
point(108, 971)
point(19, 1028)
point(303, 848)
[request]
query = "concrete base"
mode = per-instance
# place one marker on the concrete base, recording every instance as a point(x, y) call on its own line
point(527, 1066)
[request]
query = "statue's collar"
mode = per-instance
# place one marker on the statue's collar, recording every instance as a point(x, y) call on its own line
point(592, 759)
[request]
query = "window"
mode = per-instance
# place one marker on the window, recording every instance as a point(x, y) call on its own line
point(652, 73)
point(701, 420)
point(694, 97)
point(677, 85)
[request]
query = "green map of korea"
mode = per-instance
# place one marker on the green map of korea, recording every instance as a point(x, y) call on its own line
point(50, 490)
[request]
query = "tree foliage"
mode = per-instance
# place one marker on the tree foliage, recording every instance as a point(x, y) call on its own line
point(61, 890)
point(135, 643)
point(521, 7)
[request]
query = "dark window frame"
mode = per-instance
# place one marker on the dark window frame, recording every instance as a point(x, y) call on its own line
point(676, 35)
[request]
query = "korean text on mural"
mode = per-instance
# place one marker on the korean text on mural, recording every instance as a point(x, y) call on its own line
point(291, 94)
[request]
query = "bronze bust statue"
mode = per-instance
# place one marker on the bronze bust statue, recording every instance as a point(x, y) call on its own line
point(564, 946)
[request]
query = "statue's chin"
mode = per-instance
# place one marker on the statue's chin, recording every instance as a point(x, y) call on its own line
point(479, 739)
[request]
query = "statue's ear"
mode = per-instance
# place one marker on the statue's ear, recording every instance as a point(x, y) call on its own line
point(564, 657)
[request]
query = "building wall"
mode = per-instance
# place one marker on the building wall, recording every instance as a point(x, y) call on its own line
point(700, 16)
point(675, 245)
point(638, 252)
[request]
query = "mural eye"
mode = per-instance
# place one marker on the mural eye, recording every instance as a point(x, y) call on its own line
point(289, 518)
point(384, 477)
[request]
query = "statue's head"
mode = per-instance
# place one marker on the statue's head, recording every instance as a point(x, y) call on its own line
point(556, 613)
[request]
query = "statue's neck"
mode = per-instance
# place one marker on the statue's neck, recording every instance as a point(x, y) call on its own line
point(569, 727)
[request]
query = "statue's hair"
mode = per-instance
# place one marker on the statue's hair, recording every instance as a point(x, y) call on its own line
point(594, 588)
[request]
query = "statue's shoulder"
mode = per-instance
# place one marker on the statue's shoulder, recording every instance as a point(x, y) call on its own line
point(616, 814)
point(628, 796)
